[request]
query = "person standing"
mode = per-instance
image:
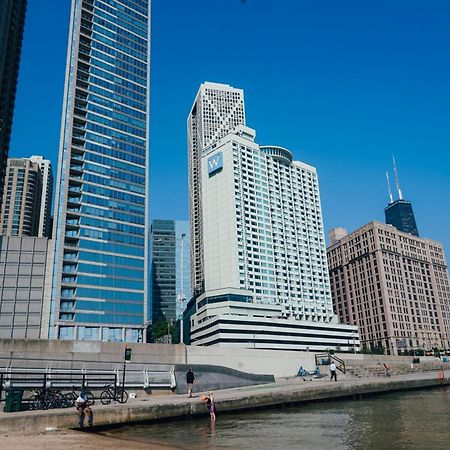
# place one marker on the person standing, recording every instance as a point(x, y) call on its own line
point(333, 371)
point(190, 381)
point(211, 406)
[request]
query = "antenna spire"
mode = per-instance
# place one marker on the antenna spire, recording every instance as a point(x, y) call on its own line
point(391, 199)
point(397, 182)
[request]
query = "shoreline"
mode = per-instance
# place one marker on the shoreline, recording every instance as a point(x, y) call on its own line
point(75, 440)
point(176, 407)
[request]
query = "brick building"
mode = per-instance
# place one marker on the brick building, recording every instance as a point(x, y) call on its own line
point(393, 285)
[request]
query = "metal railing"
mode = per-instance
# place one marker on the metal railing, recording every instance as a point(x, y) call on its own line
point(159, 379)
point(30, 379)
point(325, 359)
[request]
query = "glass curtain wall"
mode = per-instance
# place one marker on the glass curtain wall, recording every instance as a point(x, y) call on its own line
point(101, 209)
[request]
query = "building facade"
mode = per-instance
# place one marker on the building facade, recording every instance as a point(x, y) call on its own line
point(46, 177)
point(21, 198)
point(101, 223)
point(394, 286)
point(23, 266)
point(27, 197)
point(264, 252)
point(217, 110)
point(400, 214)
point(171, 275)
point(12, 20)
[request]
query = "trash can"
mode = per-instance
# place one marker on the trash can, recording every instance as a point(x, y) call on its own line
point(13, 400)
point(445, 359)
point(416, 360)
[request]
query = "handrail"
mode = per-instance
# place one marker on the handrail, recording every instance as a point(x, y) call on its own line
point(61, 379)
point(327, 358)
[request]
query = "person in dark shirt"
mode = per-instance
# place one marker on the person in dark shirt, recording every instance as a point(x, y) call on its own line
point(190, 381)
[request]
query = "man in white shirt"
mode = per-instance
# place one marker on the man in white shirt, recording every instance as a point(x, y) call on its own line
point(333, 371)
point(83, 407)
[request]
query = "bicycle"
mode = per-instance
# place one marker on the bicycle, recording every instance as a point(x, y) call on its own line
point(111, 393)
point(48, 399)
point(72, 396)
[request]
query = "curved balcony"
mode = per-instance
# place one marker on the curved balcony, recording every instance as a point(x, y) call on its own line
point(280, 154)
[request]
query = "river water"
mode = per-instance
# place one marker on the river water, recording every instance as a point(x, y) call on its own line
point(404, 420)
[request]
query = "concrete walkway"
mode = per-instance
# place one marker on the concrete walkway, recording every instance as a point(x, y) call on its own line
point(288, 391)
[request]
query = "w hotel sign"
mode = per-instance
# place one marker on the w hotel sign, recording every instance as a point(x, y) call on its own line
point(215, 163)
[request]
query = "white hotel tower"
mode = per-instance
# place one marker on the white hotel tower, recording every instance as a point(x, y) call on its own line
point(264, 254)
point(217, 110)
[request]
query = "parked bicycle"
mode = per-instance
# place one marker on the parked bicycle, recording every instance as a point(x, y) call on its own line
point(111, 393)
point(72, 396)
point(48, 399)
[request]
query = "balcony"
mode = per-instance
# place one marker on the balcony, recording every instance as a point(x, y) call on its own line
point(68, 268)
point(74, 190)
point(72, 234)
point(71, 224)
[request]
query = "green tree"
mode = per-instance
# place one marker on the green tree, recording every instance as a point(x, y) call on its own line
point(161, 328)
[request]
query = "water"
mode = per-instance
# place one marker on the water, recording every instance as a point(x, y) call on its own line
point(406, 420)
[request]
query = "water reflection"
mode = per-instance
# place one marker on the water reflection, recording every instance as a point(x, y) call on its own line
point(408, 420)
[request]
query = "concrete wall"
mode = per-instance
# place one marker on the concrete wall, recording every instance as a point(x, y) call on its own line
point(269, 362)
point(216, 377)
point(96, 355)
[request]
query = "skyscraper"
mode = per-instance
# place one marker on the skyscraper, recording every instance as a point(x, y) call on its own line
point(101, 210)
point(46, 177)
point(265, 266)
point(217, 110)
point(399, 213)
point(27, 197)
point(12, 20)
point(171, 284)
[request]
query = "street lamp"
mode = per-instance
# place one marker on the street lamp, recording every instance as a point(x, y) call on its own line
point(181, 295)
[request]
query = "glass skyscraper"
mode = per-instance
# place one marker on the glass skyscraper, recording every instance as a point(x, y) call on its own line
point(400, 214)
point(171, 269)
point(99, 289)
point(12, 19)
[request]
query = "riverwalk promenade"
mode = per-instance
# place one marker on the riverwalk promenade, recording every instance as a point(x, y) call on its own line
point(173, 407)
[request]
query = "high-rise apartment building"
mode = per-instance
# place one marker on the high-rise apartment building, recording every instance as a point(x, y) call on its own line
point(394, 286)
point(171, 274)
point(101, 208)
point(21, 198)
point(27, 197)
point(265, 266)
point(46, 181)
point(12, 20)
point(217, 110)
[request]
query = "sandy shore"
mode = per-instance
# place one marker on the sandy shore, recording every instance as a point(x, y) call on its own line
point(74, 440)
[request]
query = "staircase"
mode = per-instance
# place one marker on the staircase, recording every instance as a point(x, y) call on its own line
point(365, 371)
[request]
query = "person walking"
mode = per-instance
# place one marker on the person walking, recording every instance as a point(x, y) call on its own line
point(333, 371)
point(190, 377)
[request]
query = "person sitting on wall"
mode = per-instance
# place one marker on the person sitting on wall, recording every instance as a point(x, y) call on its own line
point(83, 407)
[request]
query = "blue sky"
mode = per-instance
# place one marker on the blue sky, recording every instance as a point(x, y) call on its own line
point(344, 85)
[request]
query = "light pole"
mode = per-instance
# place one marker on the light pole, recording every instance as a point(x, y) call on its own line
point(181, 295)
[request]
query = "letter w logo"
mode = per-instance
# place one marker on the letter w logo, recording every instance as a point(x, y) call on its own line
point(215, 163)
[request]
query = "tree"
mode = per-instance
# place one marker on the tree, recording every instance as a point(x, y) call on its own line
point(160, 329)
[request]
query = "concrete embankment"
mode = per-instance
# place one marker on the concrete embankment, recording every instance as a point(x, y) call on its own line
point(293, 391)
